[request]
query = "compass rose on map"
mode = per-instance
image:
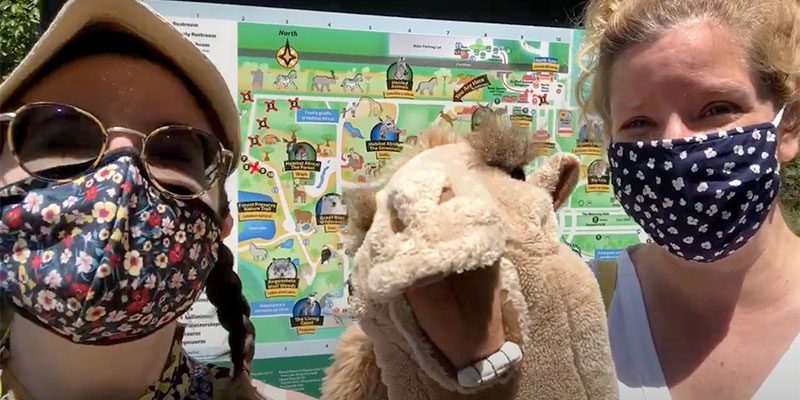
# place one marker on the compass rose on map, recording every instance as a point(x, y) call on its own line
point(287, 56)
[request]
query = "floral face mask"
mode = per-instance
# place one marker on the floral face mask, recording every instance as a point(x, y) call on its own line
point(105, 258)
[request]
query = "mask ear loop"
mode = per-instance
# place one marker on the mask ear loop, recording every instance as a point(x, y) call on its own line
point(778, 117)
point(777, 122)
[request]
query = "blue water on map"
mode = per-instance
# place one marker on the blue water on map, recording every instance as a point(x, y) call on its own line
point(353, 131)
point(318, 115)
point(322, 175)
point(287, 244)
point(261, 229)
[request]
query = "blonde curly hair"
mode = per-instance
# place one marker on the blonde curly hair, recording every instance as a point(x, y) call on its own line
point(769, 30)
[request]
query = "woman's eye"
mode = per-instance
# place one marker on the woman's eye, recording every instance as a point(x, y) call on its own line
point(635, 124)
point(718, 109)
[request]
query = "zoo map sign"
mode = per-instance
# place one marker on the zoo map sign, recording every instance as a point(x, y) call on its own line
point(325, 109)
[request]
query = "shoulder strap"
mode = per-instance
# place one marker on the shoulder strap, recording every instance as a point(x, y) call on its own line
point(607, 278)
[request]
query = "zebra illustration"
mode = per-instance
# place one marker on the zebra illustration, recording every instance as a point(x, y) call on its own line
point(427, 86)
point(321, 82)
point(401, 70)
point(353, 83)
point(283, 81)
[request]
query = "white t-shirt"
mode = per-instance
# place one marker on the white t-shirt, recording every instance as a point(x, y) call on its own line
point(638, 369)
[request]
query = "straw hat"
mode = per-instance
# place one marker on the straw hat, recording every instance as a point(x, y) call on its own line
point(141, 21)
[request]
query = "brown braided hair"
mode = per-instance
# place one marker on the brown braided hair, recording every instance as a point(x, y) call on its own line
point(224, 291)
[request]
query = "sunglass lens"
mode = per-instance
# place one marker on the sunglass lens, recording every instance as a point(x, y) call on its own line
point(184, 161)
point(56, 142)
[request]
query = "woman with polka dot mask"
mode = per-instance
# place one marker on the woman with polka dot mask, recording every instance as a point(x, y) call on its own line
point(699, 102)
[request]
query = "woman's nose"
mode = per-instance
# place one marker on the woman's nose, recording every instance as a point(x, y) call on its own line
point(119, 140)
point(676, 128)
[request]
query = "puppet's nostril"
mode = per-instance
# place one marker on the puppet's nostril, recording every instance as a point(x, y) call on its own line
point(447, 195)
point(395, 222)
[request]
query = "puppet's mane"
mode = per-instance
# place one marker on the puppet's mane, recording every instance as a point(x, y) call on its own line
point(495, 144)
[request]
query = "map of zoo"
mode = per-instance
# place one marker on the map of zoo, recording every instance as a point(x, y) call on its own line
point(324, 109)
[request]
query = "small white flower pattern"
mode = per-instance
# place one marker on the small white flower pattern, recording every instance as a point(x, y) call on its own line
point(725, 180)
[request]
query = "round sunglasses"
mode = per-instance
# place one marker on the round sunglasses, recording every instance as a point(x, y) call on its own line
point(58, 143)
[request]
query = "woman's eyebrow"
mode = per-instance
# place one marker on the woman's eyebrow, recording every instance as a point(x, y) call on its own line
point(720, 86)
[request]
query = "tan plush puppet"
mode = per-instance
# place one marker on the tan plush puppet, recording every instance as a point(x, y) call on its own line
point(457, 205)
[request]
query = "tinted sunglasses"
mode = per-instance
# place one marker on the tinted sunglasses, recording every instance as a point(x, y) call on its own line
point(58, 143)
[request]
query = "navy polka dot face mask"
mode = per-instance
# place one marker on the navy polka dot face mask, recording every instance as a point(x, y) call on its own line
point(701, 197)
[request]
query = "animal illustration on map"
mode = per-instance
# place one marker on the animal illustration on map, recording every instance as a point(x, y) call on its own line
point(285, 80)
point(270, 139)
point(258, 79)
point(301, 154)
point(281, 268)
point(387, 126)
point(321, 82)
point(375, 108)
point(446, 117)
point(401, 70)
point(299, 194)
point(325, 255)
point(461, 79)
point(309, 307)
point(294, 150)
point(332, 205)
point(322, 151)
point(427, 86)
point(351, 84)
point(598, 169)
point(328, 308)
point(257, 253)
point(302, 218)
point(352, 160)
point(374, 168)
point(352, 130)
point(484, 112)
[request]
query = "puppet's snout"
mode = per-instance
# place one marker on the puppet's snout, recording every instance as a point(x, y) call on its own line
point(434, 228)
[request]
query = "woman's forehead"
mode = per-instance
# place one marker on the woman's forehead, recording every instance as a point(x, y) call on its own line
point(698, 57)
point(123, 90)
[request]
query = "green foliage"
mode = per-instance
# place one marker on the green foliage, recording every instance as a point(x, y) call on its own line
point(790, 193)
point(19, 24)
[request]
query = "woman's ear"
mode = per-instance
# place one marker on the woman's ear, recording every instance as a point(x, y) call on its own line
point(227, 226)
point(789, 138)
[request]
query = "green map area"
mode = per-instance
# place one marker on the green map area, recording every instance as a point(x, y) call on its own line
point(324, 109)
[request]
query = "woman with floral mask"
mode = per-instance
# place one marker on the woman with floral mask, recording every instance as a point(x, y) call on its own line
point(118, 135)
point(699, 100)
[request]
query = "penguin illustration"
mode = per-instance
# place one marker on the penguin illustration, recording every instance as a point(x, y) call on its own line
point(325, 255)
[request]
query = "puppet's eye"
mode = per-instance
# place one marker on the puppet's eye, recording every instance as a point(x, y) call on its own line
point(518, 174)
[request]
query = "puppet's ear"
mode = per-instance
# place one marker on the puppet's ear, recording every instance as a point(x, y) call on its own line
point(361, 208)
point(558, 176)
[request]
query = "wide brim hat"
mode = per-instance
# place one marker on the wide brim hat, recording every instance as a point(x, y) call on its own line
point(139, 20)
